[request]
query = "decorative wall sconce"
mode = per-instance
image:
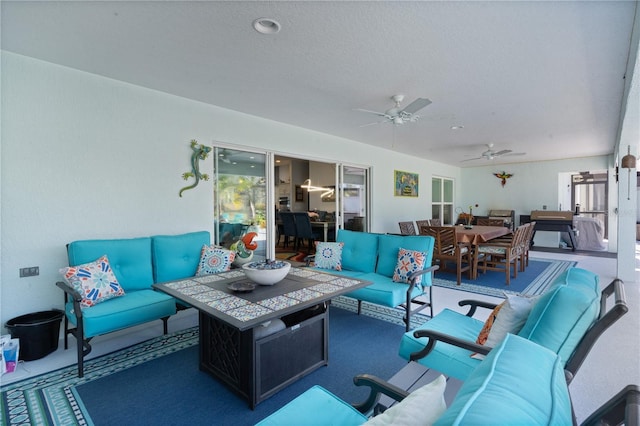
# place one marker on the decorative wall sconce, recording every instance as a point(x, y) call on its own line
point(628, 162)
point(503, 176)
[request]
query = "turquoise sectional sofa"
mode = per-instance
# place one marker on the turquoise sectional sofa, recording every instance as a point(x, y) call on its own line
point(567, 319)
point(137, 263)
point(519, 383)
point(373, 257)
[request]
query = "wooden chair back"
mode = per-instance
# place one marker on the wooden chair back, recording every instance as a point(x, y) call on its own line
point(407, 228)
point(485, 221)
point(421, 223)
point(447, 249)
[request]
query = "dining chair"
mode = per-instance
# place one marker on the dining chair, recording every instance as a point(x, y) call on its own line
point(526, 245)
point(421, 223)
point(288, 227)
point(447, 249)
point(502, 254)
point(435, 222)
point(407, 228)
point(304, 230)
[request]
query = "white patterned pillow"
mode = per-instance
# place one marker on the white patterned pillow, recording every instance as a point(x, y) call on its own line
point(329, 255)
point(214, 260)
point(95, 281)
point(422, 407)
point(409, 261)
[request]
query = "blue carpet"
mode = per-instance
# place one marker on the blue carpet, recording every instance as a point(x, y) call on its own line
point(171, 390)
point(534, 280)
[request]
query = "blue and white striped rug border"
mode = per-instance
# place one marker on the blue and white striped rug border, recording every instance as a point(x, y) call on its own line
point(537, 286)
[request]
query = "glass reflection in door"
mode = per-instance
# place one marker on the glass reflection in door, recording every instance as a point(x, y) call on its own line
point(354, 200)
point(240, 198)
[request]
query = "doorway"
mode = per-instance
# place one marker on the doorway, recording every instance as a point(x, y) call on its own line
point(589, 196)
point(240, 197)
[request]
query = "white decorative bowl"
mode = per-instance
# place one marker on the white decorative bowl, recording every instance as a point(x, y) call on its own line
point(266, 273)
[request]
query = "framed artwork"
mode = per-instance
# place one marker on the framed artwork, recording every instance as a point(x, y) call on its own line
point(406, 184)
point(299, 193)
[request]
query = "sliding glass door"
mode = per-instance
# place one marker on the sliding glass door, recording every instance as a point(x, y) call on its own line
point(240, 198)
point(354, 197)
point(251, 188)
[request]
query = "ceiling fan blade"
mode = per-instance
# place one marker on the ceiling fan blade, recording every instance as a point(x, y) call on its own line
point(416, 105)
point(499, 153)
point(371, 124)
point(381, 114)
point(471, 159)
point(512, 154)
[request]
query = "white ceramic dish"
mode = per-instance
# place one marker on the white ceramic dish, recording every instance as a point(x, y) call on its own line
point(264, 273)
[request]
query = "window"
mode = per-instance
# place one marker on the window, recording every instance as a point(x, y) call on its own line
point(442, 200)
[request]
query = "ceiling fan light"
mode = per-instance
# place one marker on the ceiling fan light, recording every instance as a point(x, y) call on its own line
point(397, 120)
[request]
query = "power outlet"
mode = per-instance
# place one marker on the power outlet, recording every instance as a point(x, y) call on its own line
point(31, 271)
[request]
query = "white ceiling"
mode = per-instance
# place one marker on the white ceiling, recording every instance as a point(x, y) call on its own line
point(545, 78)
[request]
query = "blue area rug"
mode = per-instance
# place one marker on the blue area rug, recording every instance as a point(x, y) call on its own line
point(534, 280)
point(172, 390)
point(158, 382)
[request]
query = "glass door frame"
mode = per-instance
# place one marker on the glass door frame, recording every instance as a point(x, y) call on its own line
point(271, 196)
point(343, 186)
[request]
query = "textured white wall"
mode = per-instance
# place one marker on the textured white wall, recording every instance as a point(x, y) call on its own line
point(88, 157)
point(532, 186)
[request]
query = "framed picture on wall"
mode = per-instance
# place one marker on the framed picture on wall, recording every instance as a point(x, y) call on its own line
point(299, 193)
point(405, 184)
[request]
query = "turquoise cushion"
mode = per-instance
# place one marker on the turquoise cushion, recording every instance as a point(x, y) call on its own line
point(177, 256)
point(130, 259)
point(388, 246)
point(360, 251)
point(563, 314)
point(135, 307)
point(577, 277)
point(448, 359)
point(343, 273)
point(383, 291)
point(518, 383)
point(316, 406)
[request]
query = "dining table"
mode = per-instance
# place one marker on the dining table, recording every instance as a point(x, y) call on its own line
point(325, 226)
point(477, 234)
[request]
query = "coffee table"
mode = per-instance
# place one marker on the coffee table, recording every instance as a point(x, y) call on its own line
point(233, 346)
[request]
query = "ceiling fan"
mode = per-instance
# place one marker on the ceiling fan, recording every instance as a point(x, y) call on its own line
point(397, 115)
point(490, 154)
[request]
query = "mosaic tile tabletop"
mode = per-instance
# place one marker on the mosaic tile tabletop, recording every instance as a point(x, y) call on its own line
point(201, 289)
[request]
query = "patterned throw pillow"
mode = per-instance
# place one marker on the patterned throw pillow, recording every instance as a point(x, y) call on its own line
point(95, 281)
point(214, 260)
point(409, 261)
point(329, 255)
point(486, 329)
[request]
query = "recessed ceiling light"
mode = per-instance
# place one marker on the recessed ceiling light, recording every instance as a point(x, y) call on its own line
point(266, 26)
point(457, 127)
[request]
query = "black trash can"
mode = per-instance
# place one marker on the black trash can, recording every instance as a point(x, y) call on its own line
point(38, 333)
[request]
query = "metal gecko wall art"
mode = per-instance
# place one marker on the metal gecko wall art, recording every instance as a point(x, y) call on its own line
point(200, 152)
